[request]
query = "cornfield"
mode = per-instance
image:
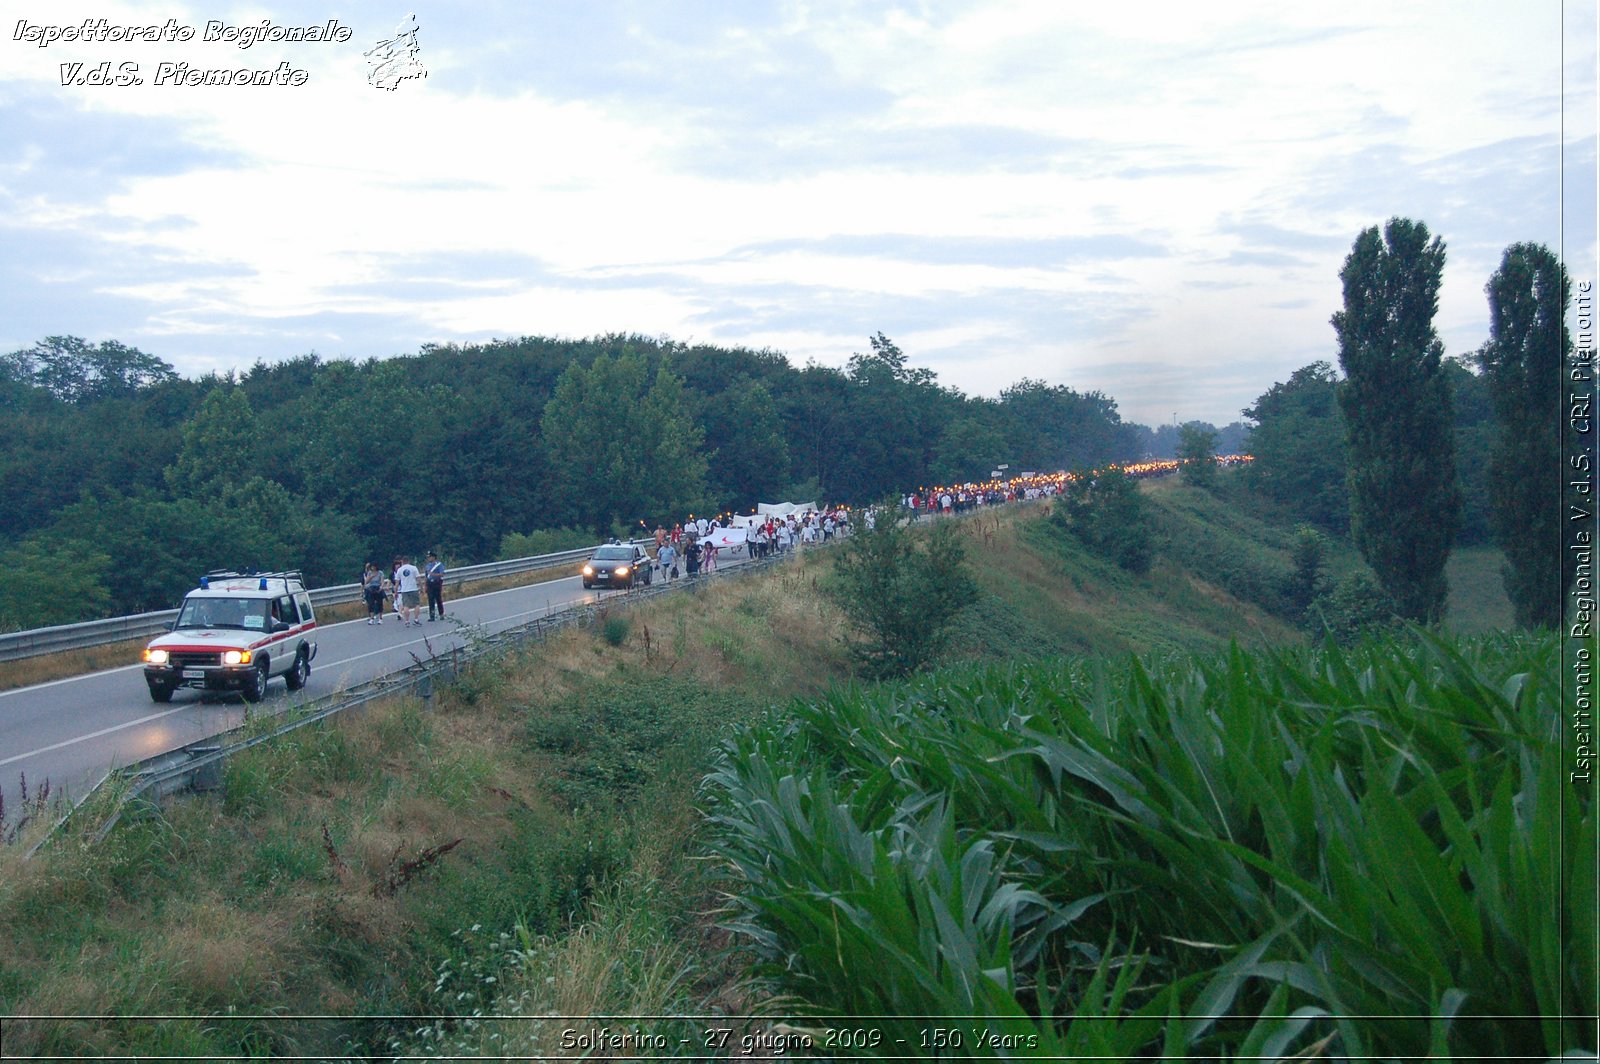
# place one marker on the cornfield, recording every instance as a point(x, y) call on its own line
point(1364, 854)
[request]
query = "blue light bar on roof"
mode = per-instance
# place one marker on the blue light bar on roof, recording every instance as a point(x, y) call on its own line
point(263, 583)
point(205, 583)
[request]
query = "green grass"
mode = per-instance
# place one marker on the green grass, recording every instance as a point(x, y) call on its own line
point(303, 886)
point(1045, 594)
point(1478, 602)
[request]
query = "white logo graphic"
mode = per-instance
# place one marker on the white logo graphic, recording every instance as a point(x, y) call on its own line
point(395, 59)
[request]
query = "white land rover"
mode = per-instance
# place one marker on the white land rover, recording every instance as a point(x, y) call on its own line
point(233, 633)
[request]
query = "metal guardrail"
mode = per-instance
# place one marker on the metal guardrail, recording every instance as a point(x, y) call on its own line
point(199, 765)
point(36, 641)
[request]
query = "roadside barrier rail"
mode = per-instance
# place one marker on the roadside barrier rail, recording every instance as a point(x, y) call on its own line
point(198, 766)
point(17, 645)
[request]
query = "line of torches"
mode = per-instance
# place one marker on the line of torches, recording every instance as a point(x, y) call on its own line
point(1021, 484)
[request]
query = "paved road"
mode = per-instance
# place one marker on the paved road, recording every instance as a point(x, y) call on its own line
point(72, 732)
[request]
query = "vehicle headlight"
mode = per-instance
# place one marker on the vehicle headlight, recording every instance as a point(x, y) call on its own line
point(622, 570)
point(236, 657)
point(155, 657)
point(588, 570)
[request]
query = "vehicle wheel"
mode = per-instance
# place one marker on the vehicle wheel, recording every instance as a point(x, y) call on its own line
point(587, 585)
point(255, 689)
point(296, 677)
point(161, 692)
point(649, 577)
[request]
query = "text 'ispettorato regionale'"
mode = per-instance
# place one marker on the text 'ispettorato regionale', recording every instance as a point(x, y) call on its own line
point(170, 72)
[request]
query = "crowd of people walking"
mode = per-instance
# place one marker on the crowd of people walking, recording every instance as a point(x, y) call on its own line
point(697, 544)
point(693, 546)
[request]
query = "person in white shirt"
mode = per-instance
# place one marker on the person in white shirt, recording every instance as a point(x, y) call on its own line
point(408, 589)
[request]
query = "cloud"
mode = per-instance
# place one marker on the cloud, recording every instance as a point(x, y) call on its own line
point(1153, 202)
point(104, 152)
point(1036, 253)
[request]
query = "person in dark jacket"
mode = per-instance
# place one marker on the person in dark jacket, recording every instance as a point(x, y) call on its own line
point(372, 590)
point(433, 580)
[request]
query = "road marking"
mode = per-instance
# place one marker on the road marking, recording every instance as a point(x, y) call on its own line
point(548, 610)
point(92, 735)
point(68, 679)
point(167, 713)
point(335, 624)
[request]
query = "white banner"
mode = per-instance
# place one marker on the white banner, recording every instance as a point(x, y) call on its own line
point(784, 509)
point(724, 537)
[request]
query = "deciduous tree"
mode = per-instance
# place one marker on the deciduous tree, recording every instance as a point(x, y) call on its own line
point(752, 456)
point(219, 443)
point(76, 371)
point(1197, 454)
point(622, 447)
point(1298, 447)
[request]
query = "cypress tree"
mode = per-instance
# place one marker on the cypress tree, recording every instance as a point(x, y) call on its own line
point(1404, 500)
point(1522, 362)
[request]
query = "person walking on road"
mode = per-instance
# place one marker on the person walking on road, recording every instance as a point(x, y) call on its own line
point(372, 590)
point(433, 577)
point(408, 592)
point(667, 558)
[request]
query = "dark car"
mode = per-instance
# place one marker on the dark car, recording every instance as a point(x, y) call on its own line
point(619, 565)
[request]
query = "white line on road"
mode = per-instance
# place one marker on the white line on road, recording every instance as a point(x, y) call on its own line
point(389, 648)
point(92, 735)
point(335, 624)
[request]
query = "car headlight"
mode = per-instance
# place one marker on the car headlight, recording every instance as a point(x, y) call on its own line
point(236, 657)
point(155, 657)
point(588, 570)
point(622, 570)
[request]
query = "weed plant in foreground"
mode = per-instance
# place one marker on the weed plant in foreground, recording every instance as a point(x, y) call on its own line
point(1367, 853)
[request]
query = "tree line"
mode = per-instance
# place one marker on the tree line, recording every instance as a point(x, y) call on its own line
point(121, 480)
point(1411, 453)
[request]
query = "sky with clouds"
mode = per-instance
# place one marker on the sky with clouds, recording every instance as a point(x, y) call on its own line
point(1150, 200)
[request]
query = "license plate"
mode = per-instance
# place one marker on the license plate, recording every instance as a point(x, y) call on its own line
point(194, 674)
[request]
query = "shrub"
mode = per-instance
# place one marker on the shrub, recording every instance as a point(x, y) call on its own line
point(1356, 606)
point(1307, 579)
point(1110, 517)
point(544, 541)
point(901, 593)
point(614, 628)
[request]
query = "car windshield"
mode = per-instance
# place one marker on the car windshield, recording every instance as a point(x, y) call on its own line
point(211, 612)
point(614, 554)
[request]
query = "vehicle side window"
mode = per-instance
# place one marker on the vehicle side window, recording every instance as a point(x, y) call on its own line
point(304, 601)
point(285, 609)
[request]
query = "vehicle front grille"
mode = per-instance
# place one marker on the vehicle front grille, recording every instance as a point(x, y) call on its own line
point(182, 659)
